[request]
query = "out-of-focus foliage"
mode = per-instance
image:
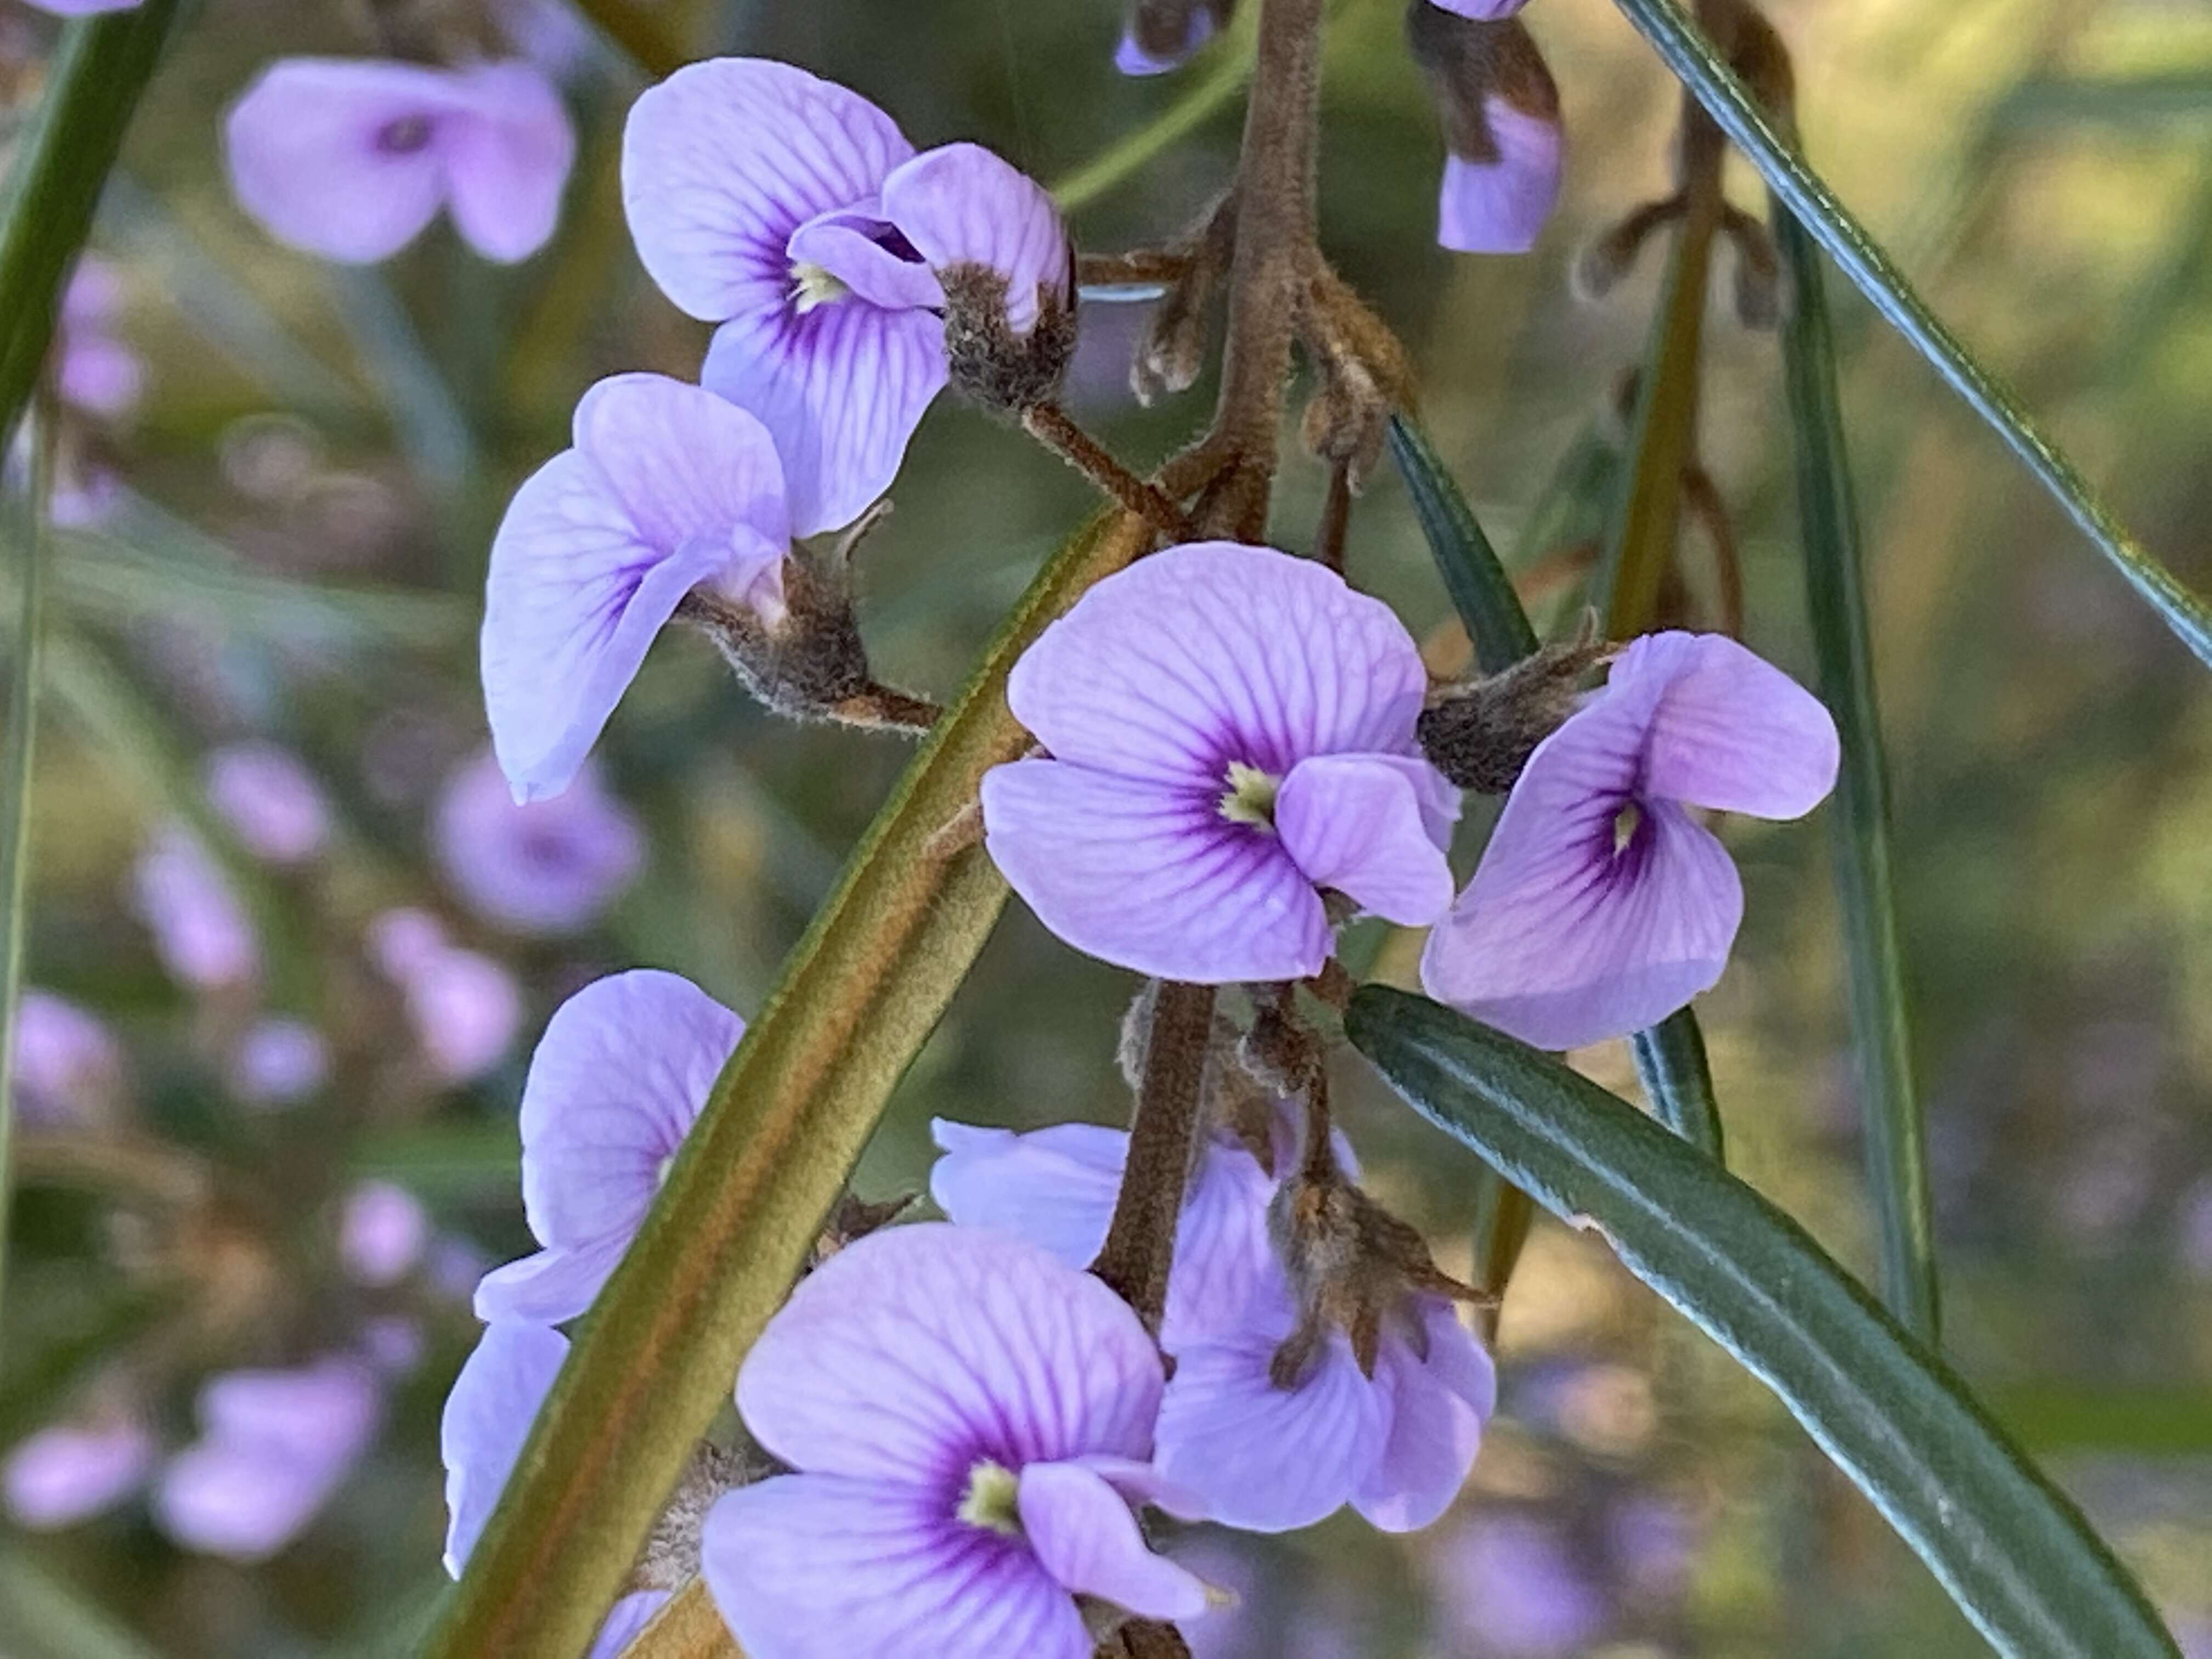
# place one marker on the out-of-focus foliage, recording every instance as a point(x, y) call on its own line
point(305, 501)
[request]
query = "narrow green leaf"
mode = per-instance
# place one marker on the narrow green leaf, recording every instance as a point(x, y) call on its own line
point(16, 765)
point(745, 1198)
point(1692, 56)
point(1896, 1132)
point(93, 85)
point(1481, 590)
point(43, 1618)
point(1670, 1064)
point(2010, 1547)
point(432, 426)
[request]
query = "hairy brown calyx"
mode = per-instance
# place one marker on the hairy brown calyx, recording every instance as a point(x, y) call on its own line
point(1481, 732)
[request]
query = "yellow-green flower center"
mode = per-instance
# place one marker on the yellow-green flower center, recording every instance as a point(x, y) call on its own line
point(812, 285)
point(1626, 823)
point(1250, 797)
point(993, 1500)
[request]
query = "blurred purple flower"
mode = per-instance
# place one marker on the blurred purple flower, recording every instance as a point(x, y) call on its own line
point(488, 1416)
point(614, 1086)
point(382, 1232)
point(280, 1061)
point(1601, 906)
point(1056, 1187)
point(1499, 202)
point(969, 1419)
point(96, 374)
point(792, 213)
point(668, 489)
point(1654, 1541)
point(753, 192)
point(548, 867)
point(200, 930)
point(466, 1008)
point(1396, 1446)
point(274, 1446)
point(352, 158)
point(70, 1473)
point(69, 1066)
point(393, 1344)
point(269, 799)
point(1509, 1586)
point(1232, 729)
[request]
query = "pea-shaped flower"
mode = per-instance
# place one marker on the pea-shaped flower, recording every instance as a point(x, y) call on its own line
point(1231, 732)
point(1601, 905)
point(969, 1421)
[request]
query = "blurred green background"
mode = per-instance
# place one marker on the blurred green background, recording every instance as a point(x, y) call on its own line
point(295, 552)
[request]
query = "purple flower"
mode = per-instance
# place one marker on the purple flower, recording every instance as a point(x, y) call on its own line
point(200, 930)
point(969, 1420)
point(69, 1066)
point(793, 212)
point(1231, 730)
point(274, 1446)
point(382, 1232)
point(754, 195)
point(1510, 1587)
point(616, 1081)
point(548, 867)
point(67, 1473)
point(1601, 906)
point(488, 1416)
point(351, 158)
point(668, 489)
point(465, 1008)
point(1499, 202)
point(270, 801)
point(96, 374)
point(279, 1063)
point(1396, 1446)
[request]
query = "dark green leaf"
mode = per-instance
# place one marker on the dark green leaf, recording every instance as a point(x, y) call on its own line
point(1670, 1063)
point(1480, 590)
point(2009, 1547)
point(1896, 1133)
point(1693, 57)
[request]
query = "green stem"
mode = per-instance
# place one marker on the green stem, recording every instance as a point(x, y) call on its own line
point(771, 1150)
point(1694, 59)
point(1896, 1132)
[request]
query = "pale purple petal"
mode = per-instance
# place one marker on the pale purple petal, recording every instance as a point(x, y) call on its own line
point(818, 1566)
point(614, 1086)
point(667, 487)
point(842, 387)
point(465, 1009)
point(625, 1621)
point(338, 156)
point(488, 1416)
point(1086, 1537)
point(280, 1061)
point(1439, 1401)
point(546, 868)
point(1480, 11)
point(67, 1473)
point(271, 800)
point(1150, 878)
point(1054, 1187)
point(68, 1065)
point(1728, 731)
point(507, 160)
point(547, 1286)
point(961, 204)
point(1500, 204)
point(724, 158)
point(917, 1352)
point(382, 1232)
point(1581, 924)
point(864, 251)
point(1265, 1459)
point(404, 940)
point(1225, 1262)
point(1216, 651)
point(1355, 822)
point(200, 929)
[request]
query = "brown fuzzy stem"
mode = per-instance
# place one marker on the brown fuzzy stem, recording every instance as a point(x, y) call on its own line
point(1140, 1248)
point(1142, 265)
point(1050, 426)
point(884, 709)
point(1336, 517)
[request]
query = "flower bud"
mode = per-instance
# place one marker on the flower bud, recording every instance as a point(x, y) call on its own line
point(1479, 735)
point(806, 664)
point(1162, 34)
point(1500, 110)
point(1354, 1266)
